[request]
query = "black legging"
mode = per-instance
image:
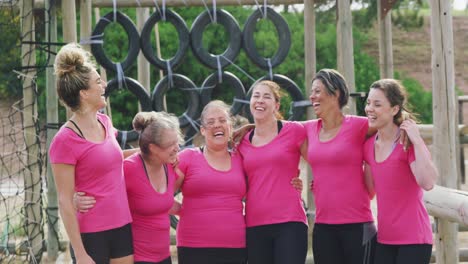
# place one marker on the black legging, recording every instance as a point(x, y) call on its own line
point(189, 255)
point(403, 254)
point(284, 243)
point(342, 244)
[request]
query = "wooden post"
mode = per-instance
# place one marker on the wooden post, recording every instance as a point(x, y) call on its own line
point(85, 21)
point(142, 14)
point(445, 120)
point(102, 71)
point(158, 51)
point(310, 70)
point(385, 40)
point(344, 41)
point(69, 27)
point(52, 118)
point(69, 21)
point(32, 170)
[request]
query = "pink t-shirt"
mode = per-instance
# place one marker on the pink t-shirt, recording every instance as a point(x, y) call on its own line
point(151, 225)
point(402, 217)
point(339, 189)
point(212, 208)
point(98, 173)
point(271, 199)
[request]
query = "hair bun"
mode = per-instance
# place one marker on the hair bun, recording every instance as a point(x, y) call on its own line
point(70, 57)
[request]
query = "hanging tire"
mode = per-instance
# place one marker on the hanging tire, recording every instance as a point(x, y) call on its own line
point(284, 38)
point(212, 82)
point(133, 41)
point(196, 38)
point(186, 85)
point(143, 97)
point(182, 31)
point(285, 84)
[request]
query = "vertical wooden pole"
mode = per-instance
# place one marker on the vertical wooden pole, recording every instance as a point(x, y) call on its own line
point(158, 47)
point(69, 27)
point(445, 135)
point(102, 71)
point(385, 40)
point(344, 39)
point(52, 118)
point(310, 70)
point(85, 21)
point(32, 172)
point(143, 64)
point(69, 21)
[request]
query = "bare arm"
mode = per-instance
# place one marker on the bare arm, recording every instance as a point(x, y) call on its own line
point(64, 176)
point(175, 209)
point(128, 152)
point(422, 167)
point(304, 147)
point(369, 181)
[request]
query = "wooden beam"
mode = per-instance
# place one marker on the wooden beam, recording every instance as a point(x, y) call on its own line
point(310, 62)
point(52, 118)
point(448, 204)
point(30, 158)
point(446, 137)
point(143, 67)
point(69, 21)
point(385, 40)
point(85, 22)
point(344, 41)
point(150, 3)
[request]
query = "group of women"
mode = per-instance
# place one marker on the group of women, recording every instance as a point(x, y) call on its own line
point(124, 216)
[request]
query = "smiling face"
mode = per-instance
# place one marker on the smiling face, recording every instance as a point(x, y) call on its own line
point(94, 95)
point(216, 126)
point(322, 101)
point(167, 150)
point(264, 104)
point(378, 109)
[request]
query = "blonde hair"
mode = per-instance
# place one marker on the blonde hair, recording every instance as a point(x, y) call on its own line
point(72, 67)
point(276, 91)
point(150, 126)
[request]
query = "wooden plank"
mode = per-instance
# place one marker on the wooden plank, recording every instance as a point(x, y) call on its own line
point(385, 40)
point(445, 134)
point(344, 41)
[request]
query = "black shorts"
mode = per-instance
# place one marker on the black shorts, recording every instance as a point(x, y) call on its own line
point(109, 244)
point(403, 254)
point(189, 255)
point(165, 261)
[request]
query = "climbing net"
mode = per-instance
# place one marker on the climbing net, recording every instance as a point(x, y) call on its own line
point(28, 211)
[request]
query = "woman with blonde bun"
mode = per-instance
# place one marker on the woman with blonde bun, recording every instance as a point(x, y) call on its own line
point(86, 157)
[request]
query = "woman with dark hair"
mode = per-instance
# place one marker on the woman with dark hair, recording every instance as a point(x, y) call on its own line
point(86, 157)
point(344, 232)
point(399, 177)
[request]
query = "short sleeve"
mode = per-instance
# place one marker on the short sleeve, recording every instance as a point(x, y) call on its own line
point(184, 159)
point(363, 125)
point(61, 151)
point(299, 132)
